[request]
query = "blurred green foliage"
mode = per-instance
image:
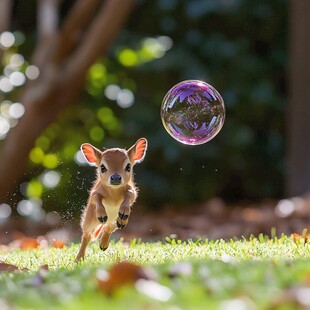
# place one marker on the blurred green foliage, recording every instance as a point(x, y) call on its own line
point(237, 46)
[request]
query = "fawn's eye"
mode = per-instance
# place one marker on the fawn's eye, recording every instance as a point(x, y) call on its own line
point(103, 168)
point(127, 168)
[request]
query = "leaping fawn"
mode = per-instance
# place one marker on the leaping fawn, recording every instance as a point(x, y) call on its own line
point(112, 194)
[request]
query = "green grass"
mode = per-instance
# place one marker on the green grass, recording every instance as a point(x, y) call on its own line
point(237, 274)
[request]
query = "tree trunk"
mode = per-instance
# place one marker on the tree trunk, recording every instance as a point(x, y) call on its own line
point(63, 57)
point(298, 116)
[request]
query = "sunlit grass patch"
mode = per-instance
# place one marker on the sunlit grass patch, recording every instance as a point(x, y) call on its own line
point(252, 273)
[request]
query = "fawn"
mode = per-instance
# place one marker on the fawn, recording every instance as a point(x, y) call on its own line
point(112, 194)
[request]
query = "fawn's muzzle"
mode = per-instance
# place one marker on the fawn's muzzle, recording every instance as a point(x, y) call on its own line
point(115, 179)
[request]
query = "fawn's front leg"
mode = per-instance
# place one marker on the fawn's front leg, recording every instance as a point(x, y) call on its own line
point(124, 209)
point(121, 221)
point(100, 210)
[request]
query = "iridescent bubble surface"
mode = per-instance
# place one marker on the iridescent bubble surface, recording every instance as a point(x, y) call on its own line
point(193, 112)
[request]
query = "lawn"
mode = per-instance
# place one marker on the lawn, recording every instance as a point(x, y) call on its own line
point(260, 273)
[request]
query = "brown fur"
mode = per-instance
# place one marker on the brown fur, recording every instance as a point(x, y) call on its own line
point(108, 201)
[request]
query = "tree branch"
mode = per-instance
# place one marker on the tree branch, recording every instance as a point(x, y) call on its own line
point(77, 19)
point(5, 17)
point(98, 37)
point(47, 20)
point(5, 14)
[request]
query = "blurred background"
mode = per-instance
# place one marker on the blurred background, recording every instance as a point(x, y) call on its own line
point(97, 71)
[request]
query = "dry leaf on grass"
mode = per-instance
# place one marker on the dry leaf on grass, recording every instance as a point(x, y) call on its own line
point(58, 244)
point(121, 274)
point(4, 267)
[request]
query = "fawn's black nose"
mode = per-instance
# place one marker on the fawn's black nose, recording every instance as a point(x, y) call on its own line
point(115, 179)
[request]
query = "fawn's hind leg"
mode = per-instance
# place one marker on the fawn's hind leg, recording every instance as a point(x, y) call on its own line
point(107, 231)
point(88, 224)
point(86, 237)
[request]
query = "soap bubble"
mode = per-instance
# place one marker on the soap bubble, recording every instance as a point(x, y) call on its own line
point(193, 112)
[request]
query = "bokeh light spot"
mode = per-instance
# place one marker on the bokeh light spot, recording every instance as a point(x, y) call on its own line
point(80, 159)
point(36, 155)
point(112, 91)
point(51, 179)
point(43, 142)
point(24, 207)
point(128, 57)
point(285, 208)
point(153, 48)
point(125, 98)
point(5, 85)
point(4, 126)
point(7, 39)
point(51, 161)
point(17, 60)
point(96, 133)
point(32, 72)
point(16, 110)
point(5, 211)
point(17, 78)
point(34, 189)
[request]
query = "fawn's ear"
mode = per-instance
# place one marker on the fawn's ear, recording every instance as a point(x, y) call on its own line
point(137, 152)
point(91, 154)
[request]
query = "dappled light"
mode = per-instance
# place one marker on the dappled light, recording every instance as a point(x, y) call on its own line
point(216, 218)
point(7, 39)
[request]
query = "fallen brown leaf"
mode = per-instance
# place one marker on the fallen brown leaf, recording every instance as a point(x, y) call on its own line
point(28, 243)
point(120, 274)
point(4, 267)
point(58, 244)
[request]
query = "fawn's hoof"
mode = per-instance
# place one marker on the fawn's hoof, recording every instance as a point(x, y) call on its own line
point(123, 216)
point(102, 219)
point(79, 258)
point(102, 248)
point(119, 225)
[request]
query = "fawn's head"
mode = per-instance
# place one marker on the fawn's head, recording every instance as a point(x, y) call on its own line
point(115, 165)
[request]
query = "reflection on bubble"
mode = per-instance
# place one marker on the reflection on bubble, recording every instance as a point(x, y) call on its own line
point(193, 112)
